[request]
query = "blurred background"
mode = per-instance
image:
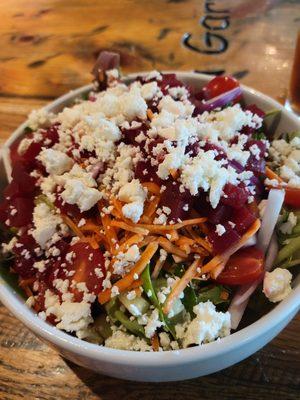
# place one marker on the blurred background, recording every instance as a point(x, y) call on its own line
point(48, 47)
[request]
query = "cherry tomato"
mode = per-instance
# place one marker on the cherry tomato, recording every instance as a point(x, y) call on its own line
point(83, 264)
point(219, 85)
point(245, 266)
point(292, 197)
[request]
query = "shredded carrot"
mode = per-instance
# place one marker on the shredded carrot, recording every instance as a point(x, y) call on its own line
point(128, 279)
point(117, 206)
point(150, 210)
point(26, 282)
point(199, 240)
point(131, 228)
point(170, 227)
point(199, 250)
point(181, 284)
point(147, 240)
point(155, 342)
point(177, 259)
point(115, 213)
point(138, 291)
point(150, 114)
point(217, 264)
point(27, 291)
point(183, 240)
point(130, 241)
point(173, 235)
point(110, 233)
point(272, 175)
point(135, 285)
point(72, 225)
point(174, 173)
point(92, 241)
point(90, 226)
point(170, 247)
point(151, 187)
point(159, 265)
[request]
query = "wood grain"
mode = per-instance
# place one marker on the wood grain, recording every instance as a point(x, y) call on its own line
point(48, 48)
point(31, 370)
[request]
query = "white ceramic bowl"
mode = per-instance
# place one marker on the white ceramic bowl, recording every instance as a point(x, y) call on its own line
point(169, 365)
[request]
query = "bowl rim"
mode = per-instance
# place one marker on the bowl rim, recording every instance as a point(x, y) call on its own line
point(12, 301)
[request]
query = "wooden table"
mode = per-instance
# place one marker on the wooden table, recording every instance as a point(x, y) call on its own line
point(47, 48)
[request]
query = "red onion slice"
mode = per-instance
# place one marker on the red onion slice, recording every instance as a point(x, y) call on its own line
point(266, 240)
point(270, 217)
point(219, 101)
point(106, 60)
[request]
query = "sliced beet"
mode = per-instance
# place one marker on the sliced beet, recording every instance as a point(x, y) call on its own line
point(218, 214)
point(169, 81)
point(22, 184)
point(146, 172)
point(234, 196)
point(71, 210)
point(221, 243)
point(25, 256)
point(256, 164)
point(24, 267)
point(176, 200)
point(243, 218)
point(26, 241)
point(129, 135)
point(52, 135)
point(220, 154)
point(3, 211)
point(20, 212)
point(193, 149)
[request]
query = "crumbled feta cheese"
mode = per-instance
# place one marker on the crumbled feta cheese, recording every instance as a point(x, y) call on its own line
point(220, 230)
point(153, 75)
point(133, 105)
point(40, 265)
point(115, 291)
point(71, 317)
point(131, 295)
point(134, 194)
point(56, 162)
point(277, 284)
point(152, 324)
point(207, 326)
point(24, 145)
point(8, 247)
point(149, 90)
point(287, 227)
point(286, 157)
point(124, 341)
point(39, 118)
point(45, 224)
point(164, 340)
point(81, 222)
point(203, 171)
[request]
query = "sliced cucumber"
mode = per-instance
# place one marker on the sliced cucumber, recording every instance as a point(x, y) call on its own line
point(137, 306)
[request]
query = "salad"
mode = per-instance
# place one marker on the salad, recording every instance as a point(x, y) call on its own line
point(150, 216)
